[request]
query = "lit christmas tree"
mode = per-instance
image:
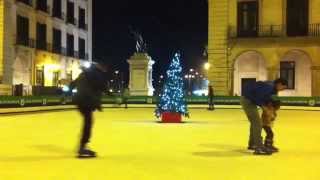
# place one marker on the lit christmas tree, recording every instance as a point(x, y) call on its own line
point(172, 98)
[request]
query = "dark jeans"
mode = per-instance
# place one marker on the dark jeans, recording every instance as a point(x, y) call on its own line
point(87, 126)
point(125, 101)
point(251, 110)
point(270, 135)
point(211, 103)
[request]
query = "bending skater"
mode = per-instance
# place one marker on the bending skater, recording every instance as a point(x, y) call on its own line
point(254, 95)
point(90, 84)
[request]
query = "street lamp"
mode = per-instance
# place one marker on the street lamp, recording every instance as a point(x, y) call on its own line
point(87, 64)
point(207, 66)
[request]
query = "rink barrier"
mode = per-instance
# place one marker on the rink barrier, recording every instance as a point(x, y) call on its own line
point(34, 101)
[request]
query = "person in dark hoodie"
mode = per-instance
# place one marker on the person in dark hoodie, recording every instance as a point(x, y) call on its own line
point(211, 100)
point(90, 85)
point(259, 94)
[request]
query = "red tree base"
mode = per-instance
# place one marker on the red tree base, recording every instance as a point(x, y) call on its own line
point(171, 117)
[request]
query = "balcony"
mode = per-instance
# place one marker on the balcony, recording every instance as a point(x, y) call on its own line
point(82, 55)
point(76, 54)
point(41, 45)
point(70, 52)
point(26, 42)
point(57, 49)
point(72, 20)
point(314, 30)
point(58, 14)
point(64, 51)
point(83, 26)
point(272, 31)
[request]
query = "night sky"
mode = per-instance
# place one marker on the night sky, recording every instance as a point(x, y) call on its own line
point(166, 25)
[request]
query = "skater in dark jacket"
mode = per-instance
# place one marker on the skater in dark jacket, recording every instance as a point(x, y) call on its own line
point(211, 96)
point(125, 96)
point(89, 85)
point(254, 95)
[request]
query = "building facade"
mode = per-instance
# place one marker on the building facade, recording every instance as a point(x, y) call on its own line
point(43, 41)
point(252, 40)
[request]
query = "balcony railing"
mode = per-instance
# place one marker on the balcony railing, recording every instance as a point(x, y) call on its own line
point(76, 54)
point(57, 49)
point(64, 51)
point(314, 30)
point(70, 52)
point(41, 45)
point(82, 55)
point(27, 42)
point(83, 26)
point(72, 20)
point(271, 31)
point(57, 14)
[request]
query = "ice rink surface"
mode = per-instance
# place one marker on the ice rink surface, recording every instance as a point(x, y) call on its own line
point(131, 145)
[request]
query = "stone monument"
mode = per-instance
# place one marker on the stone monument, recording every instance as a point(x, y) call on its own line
point(140, 82)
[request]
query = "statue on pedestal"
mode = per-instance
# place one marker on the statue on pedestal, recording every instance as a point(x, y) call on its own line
point(140, 83)
point(141, 45)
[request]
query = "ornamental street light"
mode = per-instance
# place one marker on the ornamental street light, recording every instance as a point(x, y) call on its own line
point(207, 66)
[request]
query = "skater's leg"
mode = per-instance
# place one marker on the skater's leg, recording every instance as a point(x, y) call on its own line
point(211, 103)
point(251, 144)
point(87, 126)
point(253, 116)
point(269, 132)
point(269, 139)
point(84, 152)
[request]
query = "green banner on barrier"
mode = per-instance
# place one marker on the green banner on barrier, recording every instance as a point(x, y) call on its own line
point(14, 101)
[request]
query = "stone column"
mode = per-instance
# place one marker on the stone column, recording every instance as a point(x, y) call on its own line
point(315, 80)
point(218, 46)
point(1, 40)
point(9, 42)
point(140, 83)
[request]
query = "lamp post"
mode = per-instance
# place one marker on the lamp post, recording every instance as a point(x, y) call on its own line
point(206, 67)
point(189, 78)
point(117, 81)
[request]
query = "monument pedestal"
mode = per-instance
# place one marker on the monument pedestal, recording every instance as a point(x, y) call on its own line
point(140, 83)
